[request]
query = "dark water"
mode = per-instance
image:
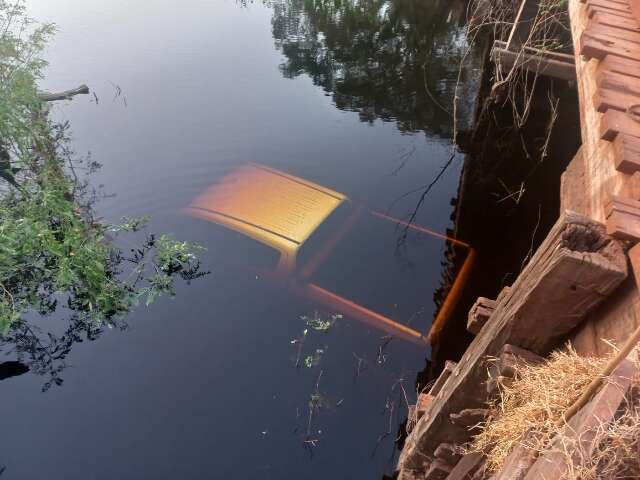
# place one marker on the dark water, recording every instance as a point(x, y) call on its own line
point(206, 385)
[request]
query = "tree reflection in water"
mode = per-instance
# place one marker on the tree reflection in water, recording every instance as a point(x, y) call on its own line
point(395, 60)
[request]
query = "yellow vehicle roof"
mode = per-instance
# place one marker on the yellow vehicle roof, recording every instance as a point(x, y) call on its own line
point(273, 207)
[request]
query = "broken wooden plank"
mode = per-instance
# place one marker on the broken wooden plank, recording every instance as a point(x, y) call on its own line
point(623, 218)
point(423, 404)
point(479, 314)
point(448, 452)
point(533, 63)
point(575, 268)
point(513, 358)
point(438, 470)
point(614, 122)
point(575, 441)
point(448, 369)
point(469, 418)
point(466, 467)
point(627, 153)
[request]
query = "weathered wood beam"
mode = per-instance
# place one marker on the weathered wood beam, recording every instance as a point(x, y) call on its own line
point(627, 153)
point(448, 452)
point(623, 218)
point(466, 467)
point(438, 470)
point(517, 462)
point(575, 268)
point(548, 65)
point(479, 314)
point(573, 186)
point(448, 369)
point(469, 417)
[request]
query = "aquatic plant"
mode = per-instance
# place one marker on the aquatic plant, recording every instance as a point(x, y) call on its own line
point(53, 250)
point(320, 322)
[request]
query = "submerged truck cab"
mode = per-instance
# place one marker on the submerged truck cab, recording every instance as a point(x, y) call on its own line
point(334, 251)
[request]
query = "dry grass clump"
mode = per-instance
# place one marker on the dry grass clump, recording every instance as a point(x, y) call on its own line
point(533, 403)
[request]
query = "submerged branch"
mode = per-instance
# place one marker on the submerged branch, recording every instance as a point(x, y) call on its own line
point(66, 95)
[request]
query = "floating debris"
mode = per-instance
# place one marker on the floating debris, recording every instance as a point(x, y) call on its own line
point(313, 360)
point(321, 322)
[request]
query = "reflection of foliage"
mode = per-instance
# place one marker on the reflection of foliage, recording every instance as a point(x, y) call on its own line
point(53, 251)
point(387, 59)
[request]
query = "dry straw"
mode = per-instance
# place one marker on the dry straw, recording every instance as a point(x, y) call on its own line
point(536, 401)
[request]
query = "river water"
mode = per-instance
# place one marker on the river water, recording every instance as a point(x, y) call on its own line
point(222, 381)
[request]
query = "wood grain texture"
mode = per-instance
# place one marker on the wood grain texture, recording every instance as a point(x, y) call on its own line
point(600, 175)
point(623, 218)
point(574, 269)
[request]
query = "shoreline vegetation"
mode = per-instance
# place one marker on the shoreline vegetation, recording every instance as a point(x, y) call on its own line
point(56, 256)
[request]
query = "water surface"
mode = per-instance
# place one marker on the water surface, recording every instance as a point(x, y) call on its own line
point(215, 383)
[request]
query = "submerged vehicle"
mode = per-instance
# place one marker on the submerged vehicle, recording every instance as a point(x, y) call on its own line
point(302, 229)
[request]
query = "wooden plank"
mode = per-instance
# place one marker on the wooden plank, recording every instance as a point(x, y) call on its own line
point(623, 218)
point(573, 186)
point(533, 63)
point(613, 32)
point(512, 358)
point(616, 6)
point(479, 314)
point(438, 470)
point(466, 467)
point(538, 52)
point(627, 153)
point(517, 462)
point(448, 452)
point(576, 439)
point(614, 122)
point(593, 9)
point(618, 82)
point(469, 417)
point(621, 66)
point(448, 369)
point(597, 46)
point(606, 19)
point(575, 268)
point(607, 99)
point(422, 405)
point(635, 8)
point(625, 2)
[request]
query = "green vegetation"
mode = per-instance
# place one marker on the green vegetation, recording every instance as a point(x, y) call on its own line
point(53, 251)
